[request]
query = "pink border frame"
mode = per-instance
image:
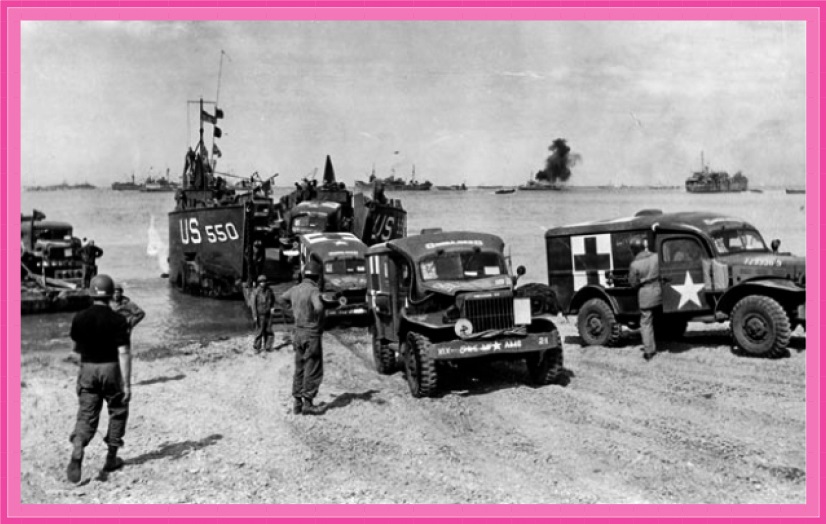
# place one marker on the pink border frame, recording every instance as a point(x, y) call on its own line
point(13, 12)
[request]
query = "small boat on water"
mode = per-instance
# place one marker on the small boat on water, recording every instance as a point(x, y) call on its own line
point(158, 185)
point(461, 187)
point(504, 191)
point(392, 183)
point(707, 181)
point(755, 190)
point(790, 191)
point(126, 186)
point(540, 185)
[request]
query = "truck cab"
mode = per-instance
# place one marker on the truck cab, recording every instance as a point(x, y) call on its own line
point(712, 268)
point(49, 249)
point(341, 257)
point(443, 296)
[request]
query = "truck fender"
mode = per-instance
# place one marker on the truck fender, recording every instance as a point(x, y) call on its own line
point(783, 290)
point(587, 293)
point(542, 324)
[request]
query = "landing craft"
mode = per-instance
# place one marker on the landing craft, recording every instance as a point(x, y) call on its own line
point(222, 238)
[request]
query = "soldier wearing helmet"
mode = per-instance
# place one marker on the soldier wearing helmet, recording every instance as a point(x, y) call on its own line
point(308, 310)
point(101, 337)
point(262, 302)
point(644, 274)
point(126, 307)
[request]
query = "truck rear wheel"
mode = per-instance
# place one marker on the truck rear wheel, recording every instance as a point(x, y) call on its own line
point(545, 367)
point(383, 356)
point(419, 366)
point(760, 326)
point(597, 324)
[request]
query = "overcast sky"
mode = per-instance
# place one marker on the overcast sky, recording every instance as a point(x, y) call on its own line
point(462, 101)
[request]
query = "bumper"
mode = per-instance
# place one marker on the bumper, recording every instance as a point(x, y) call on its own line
point(456, 349)
point(348, 311)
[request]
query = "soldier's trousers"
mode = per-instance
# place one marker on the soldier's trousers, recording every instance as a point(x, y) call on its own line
point(647, 331)
point(263, 334)
point(96, 383)
point(89, 271)
point(309, 364)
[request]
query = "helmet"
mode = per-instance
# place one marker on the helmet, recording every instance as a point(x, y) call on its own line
point(312, 269)
point(102, 286)
point(118, 287)
point(261, 278)
point(636, 244)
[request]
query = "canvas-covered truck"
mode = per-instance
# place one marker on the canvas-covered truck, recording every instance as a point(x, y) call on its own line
point(341, 257)
point(447, 296)
point(713, 268)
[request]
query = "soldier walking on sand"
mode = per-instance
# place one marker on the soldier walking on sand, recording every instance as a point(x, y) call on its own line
point(263, 301)
point(123, 305)
point(644, 274)
point(308, 310)
point(101, 338)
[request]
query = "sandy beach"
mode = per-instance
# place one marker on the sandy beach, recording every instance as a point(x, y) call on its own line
point(211, 423)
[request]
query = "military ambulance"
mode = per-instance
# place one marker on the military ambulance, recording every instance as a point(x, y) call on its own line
point(713, 268)
point(449, 296)
point(341, 257)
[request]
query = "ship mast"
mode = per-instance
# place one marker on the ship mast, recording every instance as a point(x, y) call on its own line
point(213, 161)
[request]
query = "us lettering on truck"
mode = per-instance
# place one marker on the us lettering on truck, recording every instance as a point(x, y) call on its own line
point(191, 233)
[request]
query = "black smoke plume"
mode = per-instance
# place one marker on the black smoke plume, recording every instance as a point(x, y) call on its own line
point(558, 165)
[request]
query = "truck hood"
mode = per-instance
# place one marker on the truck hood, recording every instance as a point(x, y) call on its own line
point(345, 282)
point(768, 265)
point(452, 287)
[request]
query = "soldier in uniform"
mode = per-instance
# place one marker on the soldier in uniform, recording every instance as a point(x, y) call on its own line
point(124, 305)
point(88, 255)
point(263, 301)
point(308, 310)
point(644, 274)
point(101, 338)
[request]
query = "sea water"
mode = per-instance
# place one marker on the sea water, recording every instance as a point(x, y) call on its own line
point(132, 229)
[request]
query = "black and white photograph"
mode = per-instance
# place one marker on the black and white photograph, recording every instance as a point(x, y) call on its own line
point(413, 262)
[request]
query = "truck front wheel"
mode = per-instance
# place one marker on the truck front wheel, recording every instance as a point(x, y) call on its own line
point(419, 366)
point(597, 324)
point(760, 326)
point(545, 367)
point(384, 356)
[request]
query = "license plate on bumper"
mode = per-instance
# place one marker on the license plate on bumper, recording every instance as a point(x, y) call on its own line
point(347, 312)
point(500, 346)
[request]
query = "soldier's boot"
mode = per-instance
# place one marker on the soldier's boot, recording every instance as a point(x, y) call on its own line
point(298, 406)
point(73, 471)
point(113, 462)
point(310, 409)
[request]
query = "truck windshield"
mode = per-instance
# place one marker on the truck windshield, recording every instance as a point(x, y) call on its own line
point(309, 223)
point(738, 241)
point(345, 266)
point(53, 234)
point(462, 266)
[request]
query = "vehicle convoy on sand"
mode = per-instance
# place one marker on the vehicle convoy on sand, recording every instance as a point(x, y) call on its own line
point(222, 238)
point(341, 257)
point(446, 296)
point(713, 268)
point(51, 266)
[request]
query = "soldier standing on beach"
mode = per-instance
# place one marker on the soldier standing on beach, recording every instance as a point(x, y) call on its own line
point(88, 255)
point(262, 303)
point(308, 310)
point(101, 338)
point(126, 307)
point(644, 274)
